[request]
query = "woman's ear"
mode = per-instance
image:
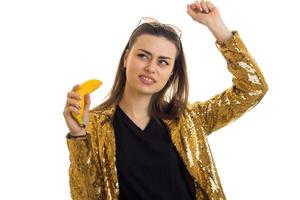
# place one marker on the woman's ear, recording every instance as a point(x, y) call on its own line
point(125, 56)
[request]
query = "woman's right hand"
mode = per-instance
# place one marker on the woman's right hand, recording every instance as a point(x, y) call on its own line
point(72, 105)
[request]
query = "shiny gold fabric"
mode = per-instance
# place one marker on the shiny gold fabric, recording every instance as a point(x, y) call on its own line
point(93, 173)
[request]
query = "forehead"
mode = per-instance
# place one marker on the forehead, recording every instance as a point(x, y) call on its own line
point(156, 45)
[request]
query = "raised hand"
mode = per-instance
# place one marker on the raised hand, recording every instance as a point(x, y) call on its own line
point(204, 12)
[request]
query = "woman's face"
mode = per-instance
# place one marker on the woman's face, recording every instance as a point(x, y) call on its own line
point(149, 64)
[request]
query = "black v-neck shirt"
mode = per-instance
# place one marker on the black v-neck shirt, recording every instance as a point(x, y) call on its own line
point(147, 162)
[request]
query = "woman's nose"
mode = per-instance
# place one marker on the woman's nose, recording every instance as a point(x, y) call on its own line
point(150, 67)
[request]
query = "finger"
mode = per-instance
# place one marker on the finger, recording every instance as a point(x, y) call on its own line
point(210, 5)
point(192, 6)
point(191, 12)
point(198, 5)
point(87, 100)
point(86, 117)
point(71, 109)
point(75, 87)
point(74, 109)
point(73, 102)
point(204, 6)
point(74, 95)
point(189, 7)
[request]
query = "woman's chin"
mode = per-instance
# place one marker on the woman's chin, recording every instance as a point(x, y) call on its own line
point(146, 91)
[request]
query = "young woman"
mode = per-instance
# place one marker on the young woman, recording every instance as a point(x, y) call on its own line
point(146, 141)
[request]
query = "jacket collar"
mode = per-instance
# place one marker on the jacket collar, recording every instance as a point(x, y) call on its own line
point(110, 111)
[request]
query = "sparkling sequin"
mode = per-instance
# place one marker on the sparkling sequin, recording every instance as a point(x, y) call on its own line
point(93, 172)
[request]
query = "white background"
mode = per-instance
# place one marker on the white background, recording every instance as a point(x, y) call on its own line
point(46, 47)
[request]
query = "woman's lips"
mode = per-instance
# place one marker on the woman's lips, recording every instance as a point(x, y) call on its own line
point(147, 80)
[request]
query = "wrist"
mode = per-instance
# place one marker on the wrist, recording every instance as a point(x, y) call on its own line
point(76, 135)
point(219, 30)
point(79, 133)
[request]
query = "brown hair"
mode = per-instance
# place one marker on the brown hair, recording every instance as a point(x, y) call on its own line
point(177, 85)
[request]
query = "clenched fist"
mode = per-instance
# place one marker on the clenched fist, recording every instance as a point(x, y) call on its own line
point(203, 12)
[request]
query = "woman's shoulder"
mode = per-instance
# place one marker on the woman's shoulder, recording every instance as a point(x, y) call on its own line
point(193, 110)
point(101, 113)
point(193, 106)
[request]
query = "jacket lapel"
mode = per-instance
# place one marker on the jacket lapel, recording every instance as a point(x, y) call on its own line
point(178, 139)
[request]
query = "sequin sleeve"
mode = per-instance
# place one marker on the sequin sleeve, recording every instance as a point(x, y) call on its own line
point(84, 169)
point(248, 87)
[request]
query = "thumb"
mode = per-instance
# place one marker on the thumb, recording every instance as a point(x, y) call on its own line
point(190, 11)
point(87, 101)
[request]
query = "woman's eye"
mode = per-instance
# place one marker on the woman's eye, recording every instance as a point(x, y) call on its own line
point(166, 63)
point(142, 55)
point(161, 61)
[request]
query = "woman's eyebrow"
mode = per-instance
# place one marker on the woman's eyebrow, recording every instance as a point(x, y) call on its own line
point(147, 52)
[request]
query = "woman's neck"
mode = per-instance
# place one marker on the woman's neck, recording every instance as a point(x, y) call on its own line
point(135, 105)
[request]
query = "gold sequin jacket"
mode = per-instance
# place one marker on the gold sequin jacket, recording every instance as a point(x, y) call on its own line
point(92, 171)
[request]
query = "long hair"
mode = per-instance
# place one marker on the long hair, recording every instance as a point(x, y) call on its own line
point(171, 100)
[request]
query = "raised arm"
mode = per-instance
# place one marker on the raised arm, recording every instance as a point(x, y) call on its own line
point(249, 85)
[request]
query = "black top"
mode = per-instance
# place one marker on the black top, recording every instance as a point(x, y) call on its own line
point(148, 165)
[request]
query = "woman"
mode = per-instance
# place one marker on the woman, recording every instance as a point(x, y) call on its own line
point(146, 141)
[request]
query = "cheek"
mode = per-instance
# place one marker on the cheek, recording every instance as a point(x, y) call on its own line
point(135, 65)
point(164, 78)
point(132, 72)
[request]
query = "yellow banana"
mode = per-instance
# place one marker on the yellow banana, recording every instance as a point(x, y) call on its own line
point(85, 88)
